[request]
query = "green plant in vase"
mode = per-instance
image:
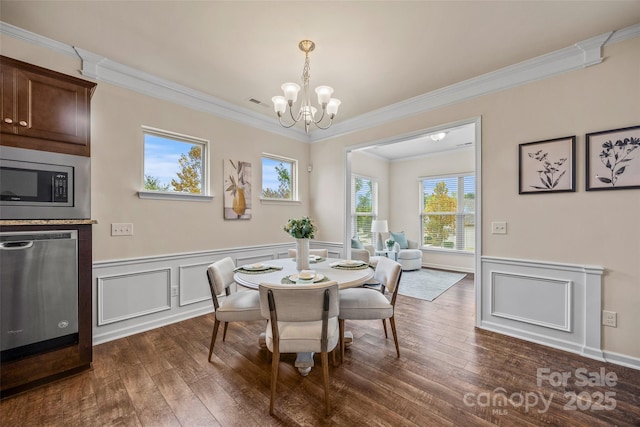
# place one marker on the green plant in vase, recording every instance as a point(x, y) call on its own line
point(390, 244)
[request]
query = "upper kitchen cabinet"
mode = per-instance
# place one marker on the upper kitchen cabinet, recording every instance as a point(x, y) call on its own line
point(44, 110)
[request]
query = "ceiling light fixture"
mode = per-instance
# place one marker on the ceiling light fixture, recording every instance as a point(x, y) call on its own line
point(307, 112)
point(438, 136)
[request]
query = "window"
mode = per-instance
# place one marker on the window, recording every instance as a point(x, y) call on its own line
point(279, 178)
point(174, 163)
point(364, 207)
point(448, 217)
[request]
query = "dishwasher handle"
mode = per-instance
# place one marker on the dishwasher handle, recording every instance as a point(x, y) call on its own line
point(16, 246)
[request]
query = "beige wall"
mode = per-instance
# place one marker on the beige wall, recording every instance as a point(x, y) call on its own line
point(594, 228)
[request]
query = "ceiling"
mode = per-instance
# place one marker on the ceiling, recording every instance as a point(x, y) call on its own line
point(374, 54)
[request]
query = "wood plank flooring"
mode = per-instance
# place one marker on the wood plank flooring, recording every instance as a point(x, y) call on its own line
point(449, 374)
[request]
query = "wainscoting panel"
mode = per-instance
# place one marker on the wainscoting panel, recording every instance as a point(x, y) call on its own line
point(193, 284)
point(535, 300)
point(130, 295)
point(136, 295)
point(549, 303)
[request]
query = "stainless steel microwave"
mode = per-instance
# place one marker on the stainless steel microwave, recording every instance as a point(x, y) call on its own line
point(44, 185)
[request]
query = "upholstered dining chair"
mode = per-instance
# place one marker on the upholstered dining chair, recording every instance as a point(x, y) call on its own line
point(237, 306)
point(317, 252)
point(302, 318)
point(370, 304)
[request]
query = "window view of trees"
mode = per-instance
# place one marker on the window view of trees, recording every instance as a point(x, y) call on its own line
point(363, 208)
point(448, 219)
point(172, 164)
point(277, 178)
point(189, 177)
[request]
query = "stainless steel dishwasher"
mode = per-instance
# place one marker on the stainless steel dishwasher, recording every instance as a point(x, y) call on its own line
point(38, 292)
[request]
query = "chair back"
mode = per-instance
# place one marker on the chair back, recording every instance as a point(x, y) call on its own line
point(220, 275)
point(324, 253)
point(299, 303)
point(388, 272)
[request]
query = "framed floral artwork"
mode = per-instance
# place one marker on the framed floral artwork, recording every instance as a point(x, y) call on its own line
point(237, 189)
point(613, 159)
point(548, 166)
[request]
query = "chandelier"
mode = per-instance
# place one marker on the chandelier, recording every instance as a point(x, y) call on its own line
point(306, 112)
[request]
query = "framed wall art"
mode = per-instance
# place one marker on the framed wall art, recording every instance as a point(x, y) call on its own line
point(237, 189)
point(548, 166)
point(613, 159)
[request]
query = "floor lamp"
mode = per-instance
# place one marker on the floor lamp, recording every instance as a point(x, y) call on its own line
point(379, 226)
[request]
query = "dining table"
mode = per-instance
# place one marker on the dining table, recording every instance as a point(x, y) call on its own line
point(347, 273)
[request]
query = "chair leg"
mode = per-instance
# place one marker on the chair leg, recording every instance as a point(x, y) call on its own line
point(216, 324)
point(224, 334)
point(392, 320)
point(384, 325)
point(341, 331)
point(275, 363)
point(325, 380)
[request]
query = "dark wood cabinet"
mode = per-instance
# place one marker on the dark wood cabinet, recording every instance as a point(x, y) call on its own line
point(18, 375)
point(44, 110)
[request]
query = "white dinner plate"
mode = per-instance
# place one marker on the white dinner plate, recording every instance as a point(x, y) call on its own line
point(316, 278)
point(256, 267)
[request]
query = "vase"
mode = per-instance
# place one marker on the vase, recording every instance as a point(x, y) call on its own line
point(239, 205)
point(302, 254)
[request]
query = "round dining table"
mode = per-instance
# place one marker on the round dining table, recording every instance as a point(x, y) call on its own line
point(347, 274)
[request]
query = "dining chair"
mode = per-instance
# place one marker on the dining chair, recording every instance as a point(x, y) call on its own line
point(301, 318)
point(370, 304)
point(324, 253)
point(237, 306)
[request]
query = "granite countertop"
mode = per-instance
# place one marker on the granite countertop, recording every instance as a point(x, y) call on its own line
point(47, 221)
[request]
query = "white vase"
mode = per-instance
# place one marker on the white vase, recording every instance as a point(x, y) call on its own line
point(302, 254)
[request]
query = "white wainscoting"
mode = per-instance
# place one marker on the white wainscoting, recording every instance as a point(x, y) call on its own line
point(139, 294)
point(554, 304)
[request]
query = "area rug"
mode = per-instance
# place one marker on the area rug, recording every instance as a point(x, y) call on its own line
point(427, 284)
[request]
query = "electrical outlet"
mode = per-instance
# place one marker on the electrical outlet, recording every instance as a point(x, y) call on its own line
point(610, 318)
point(498, 227)
point(122, 229)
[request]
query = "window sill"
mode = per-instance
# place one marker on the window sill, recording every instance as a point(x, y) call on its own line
point(279, 202)
point(446, 251)
point(160, 195)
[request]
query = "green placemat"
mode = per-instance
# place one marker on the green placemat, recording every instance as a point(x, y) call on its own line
point(268, 270)
point(286, 281)
point(348, 267)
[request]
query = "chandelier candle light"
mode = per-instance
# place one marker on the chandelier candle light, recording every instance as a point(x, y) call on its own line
point(307, 112)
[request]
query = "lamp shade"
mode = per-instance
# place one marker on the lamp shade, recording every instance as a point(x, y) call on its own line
point(379, 226)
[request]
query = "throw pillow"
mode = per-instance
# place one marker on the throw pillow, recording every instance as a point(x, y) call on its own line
point(400, 239)
point(356, 243)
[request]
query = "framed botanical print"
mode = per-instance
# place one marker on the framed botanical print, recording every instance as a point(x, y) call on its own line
point(237, 189)
point(547, 166)
point(613, 159)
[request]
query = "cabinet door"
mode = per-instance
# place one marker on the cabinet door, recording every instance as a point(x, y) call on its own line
point(7, 118)
point(52, 109)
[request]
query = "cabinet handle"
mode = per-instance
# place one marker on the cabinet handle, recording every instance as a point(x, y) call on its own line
point(22, 123)
point(8, 120)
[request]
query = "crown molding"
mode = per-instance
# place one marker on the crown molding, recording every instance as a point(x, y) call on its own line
point(582, 54)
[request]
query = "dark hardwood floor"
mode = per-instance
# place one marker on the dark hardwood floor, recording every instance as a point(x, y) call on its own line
point(449, 374)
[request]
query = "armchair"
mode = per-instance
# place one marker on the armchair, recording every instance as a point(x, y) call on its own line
point(409, 258)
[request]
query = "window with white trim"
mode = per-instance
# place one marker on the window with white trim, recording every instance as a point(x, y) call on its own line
point(364, 207)
point(174, 163)
point(279, 178)
point(448, 214)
